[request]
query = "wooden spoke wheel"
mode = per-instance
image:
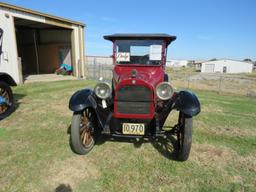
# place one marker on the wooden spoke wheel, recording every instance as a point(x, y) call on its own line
point(86, 129)
point(82, 131)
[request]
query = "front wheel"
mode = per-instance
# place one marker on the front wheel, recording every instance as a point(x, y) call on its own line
point(82, 135)
point(6, 100)
point(184, 136)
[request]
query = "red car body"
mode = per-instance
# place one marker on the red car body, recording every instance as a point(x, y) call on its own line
point(149, 77)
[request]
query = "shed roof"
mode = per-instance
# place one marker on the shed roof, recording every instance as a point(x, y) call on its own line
point(168, 38)
point(14, 7)
point(221, 61)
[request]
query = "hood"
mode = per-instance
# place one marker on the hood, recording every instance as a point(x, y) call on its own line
point(152, 75)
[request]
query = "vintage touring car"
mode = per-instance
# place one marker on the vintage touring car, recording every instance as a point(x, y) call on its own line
point(139, 100)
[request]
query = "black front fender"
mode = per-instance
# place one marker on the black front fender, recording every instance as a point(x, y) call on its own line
point(85, 98)
point(188, 103)
point(82, 99)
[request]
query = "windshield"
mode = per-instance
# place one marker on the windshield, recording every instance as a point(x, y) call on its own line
point(146, 52)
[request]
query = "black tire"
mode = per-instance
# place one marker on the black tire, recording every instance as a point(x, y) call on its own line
point(184, 137)
point(82, 137)
point(6, 92)
point(113, 89)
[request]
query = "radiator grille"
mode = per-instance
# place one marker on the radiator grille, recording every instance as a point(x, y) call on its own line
point(133, 100)
point(134, 93)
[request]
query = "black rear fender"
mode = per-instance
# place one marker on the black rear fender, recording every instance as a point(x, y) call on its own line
point(7, 79)
point(188, 103)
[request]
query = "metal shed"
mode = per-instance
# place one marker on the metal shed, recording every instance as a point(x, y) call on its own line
point(37, 43)
point(226, 66)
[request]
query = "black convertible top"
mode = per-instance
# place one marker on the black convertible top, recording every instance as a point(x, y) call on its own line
point(168, 38)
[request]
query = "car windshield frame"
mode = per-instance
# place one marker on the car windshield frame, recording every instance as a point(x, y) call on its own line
point(140, 52)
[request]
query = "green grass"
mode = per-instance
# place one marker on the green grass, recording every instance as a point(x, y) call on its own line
point(35, 153)
point(253, 74)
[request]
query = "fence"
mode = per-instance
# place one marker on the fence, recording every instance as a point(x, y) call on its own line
point(96, 71)
point(221, 83)
point(96, 68)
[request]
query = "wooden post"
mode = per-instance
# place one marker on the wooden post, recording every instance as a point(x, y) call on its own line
point(20, 70)
point(219, 91)
point(188, 80)
point(36, 51)
point(94, 68)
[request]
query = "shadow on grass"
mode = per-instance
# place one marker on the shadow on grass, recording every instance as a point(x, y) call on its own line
point(165, 146)
point(137, 143)
point(63, 188)
point(17, 97)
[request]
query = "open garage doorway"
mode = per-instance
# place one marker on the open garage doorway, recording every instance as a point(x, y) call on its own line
point(42, 48)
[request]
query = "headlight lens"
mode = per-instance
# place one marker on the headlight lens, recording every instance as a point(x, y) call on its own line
point(102, 90)
point(164, 91)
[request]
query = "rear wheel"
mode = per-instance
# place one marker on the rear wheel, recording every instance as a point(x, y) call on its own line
point(6, 100)
point(82, 135)
point(184, 136)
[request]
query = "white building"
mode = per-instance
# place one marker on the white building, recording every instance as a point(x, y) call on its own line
point(226, 66)
point(176, 63)
point(37, 43)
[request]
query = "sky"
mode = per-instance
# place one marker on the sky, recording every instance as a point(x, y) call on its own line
point(205, 29)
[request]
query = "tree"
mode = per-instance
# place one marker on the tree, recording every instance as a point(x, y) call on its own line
point(248, 60)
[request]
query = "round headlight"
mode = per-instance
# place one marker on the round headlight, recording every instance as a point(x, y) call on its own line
point(164, 91)
point(102, 90)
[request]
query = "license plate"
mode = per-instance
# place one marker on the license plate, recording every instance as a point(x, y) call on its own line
point(133, 128)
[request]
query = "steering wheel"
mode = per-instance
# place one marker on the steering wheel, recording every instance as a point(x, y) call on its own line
point(144, 59)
